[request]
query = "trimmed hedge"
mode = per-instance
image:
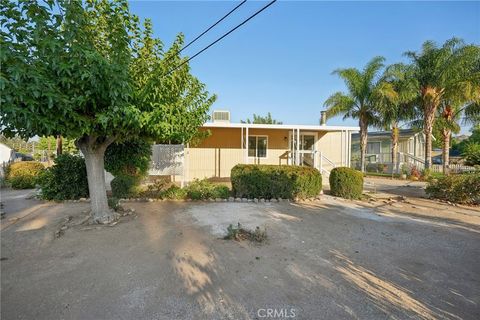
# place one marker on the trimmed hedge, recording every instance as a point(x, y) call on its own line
point(272, 181)
point(24, 175)
point(204, 189)
point(458, 188)
point(346, 183)
point(65, 180)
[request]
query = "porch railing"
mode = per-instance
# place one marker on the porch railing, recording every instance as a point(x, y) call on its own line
point(383, 162)
point(324, 159)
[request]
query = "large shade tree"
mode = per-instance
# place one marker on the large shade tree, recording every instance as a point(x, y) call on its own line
point(90, 71)
point(366, 92)
point(442, 75)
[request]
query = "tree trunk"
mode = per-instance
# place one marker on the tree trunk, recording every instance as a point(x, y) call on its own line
point(395, 164)
point(363, 142)
point(94, 153)
point(446, 151)
point(59, 145)
point(429, 118)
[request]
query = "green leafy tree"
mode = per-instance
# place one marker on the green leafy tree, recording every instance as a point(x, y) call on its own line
point(130, 157)
point(90, 71)
point(442, 75)
point(366, 93)
point(262, 120)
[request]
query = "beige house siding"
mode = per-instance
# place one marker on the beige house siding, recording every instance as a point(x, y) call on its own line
point(215, 156)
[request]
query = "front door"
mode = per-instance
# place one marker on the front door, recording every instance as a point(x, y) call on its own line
point(307, 149)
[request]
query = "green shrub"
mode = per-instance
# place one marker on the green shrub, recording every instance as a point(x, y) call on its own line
point(271, 181)
point(154, 190)
point(174, 193)
point(458, 188)
point(113, 203)
point(124, 186)
point(65, 180)
point(131, 157)
point(24, 175)
point(471, 153)
point(221, 191)
point(204, 189)
point(346, 183)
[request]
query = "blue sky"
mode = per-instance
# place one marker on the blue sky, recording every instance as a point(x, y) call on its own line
point(282, 60)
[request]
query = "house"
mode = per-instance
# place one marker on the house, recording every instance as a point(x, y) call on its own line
point(7, 154)
point(411, 149)
point(228, 144)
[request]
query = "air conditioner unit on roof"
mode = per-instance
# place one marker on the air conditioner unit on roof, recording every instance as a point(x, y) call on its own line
point(221, 116)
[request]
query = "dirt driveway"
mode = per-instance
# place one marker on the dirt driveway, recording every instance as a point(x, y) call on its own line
point(332, 259)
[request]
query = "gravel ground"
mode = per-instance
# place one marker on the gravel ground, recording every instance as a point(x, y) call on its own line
point(332, 259)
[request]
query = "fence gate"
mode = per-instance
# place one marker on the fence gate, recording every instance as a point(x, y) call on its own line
point(167, 160)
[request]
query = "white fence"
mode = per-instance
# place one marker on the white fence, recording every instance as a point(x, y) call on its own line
point(374, 161)
point(167, 160)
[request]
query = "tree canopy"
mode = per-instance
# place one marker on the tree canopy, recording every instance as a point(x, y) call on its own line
point(91, 71)
point(366, 93)
point(262, 119)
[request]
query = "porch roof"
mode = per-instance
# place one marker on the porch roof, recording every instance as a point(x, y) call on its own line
point(279, 126)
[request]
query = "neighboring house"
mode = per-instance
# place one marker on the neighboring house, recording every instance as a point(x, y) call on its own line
point(411, 148)
point(320, 146)
point(7, 154)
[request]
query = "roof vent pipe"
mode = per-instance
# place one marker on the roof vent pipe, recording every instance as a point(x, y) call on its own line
point(323, 118)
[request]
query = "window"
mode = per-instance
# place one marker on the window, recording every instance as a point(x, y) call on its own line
point(257, 146)
point(373, 148)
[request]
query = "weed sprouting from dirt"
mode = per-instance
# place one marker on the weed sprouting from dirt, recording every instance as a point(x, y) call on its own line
point(239, 234)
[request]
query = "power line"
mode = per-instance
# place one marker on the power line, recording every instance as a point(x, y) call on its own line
point(223, 36)
point(212, 26)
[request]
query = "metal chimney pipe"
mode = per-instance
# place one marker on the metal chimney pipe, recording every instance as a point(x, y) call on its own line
point(323, 118)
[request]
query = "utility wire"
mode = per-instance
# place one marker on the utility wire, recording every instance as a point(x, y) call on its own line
point(219, 39)
point(212, 26)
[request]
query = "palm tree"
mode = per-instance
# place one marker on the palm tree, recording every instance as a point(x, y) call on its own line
point(448, 122)
point(439, 74)
point(445, 125)
point(366, 92)
point(395, 110)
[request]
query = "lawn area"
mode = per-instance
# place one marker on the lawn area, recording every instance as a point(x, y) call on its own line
point(330, 258)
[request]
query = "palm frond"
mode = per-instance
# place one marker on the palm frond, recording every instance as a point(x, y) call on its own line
point(352, 79)
point(339, 103)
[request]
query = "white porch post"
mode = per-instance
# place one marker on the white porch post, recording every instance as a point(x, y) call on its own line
point(349, 148)
point(246, 145)
point(298, 147)
point(292, 148)
point(241, 142)
point(342, 155)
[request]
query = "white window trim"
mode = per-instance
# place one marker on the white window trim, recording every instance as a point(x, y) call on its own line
point(256, 146)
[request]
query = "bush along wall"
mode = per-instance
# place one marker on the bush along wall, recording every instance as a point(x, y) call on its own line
point(272, 181)
point(458, 188)
point(65, 180)
point(346, 183)
point(125, 186)
point(23, 175)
